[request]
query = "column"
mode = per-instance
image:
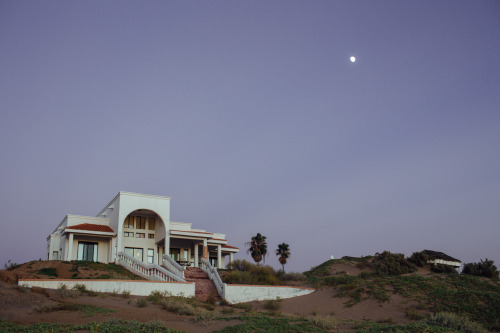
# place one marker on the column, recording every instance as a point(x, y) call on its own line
point(196, 255)
point(70, 247)
point(230, 257)
point(219, 257)
point(205, 249)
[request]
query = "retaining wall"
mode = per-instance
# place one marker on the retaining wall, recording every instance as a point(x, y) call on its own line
point(138, 288)
point(237, 293)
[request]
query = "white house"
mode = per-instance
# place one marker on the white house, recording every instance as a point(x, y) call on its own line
point(137, 224)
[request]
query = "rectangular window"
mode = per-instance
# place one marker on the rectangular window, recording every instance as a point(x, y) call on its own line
point(55, 255)
point(87, 251)
point(129, 222)
point(128, 234)
point(140, 222)
point(151, 236)
point(151, 254)
point(135, 252)
point(140, 235)
point(151, 223)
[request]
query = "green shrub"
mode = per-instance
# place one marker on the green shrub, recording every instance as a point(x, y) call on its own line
point(126, 293)
point(440, 268)
point(419, 258)
point(223, 302)
point(390, 264)
point(48, 272)
point(485, 268)
point(455, 322)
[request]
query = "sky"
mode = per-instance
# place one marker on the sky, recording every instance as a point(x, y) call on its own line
point(252, 118)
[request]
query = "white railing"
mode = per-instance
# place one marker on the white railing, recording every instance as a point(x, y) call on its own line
point(172, 266)
point(213, 275)
point(148, 271)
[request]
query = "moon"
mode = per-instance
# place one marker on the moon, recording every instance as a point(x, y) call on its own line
point(353, 59)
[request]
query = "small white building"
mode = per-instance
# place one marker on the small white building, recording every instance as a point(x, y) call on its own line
point(137, 224)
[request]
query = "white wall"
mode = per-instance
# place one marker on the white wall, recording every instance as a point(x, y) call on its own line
point(138, 288)
point(237, 293)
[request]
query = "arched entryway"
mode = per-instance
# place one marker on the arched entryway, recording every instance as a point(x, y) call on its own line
point(143, 236)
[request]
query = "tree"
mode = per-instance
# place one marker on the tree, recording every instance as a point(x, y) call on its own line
point(257, 248)
point(283, 251)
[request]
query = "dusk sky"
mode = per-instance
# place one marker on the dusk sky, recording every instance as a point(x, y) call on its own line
point(252, 118)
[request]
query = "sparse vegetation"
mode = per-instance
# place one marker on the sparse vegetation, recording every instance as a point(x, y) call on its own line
point(86, 309)
point(141, 303)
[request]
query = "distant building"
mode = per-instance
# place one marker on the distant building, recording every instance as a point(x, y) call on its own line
point(441, 258)
point(139, 225)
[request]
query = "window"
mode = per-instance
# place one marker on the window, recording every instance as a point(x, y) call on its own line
point(87, 251)
point(151, 223)
point(129, 222)
point(55, 255)
point(140, 222)
point(151, 254)
point(128, 234)
point(134, 252)
point(140, 235)
point(151, 236)
point(175, 254)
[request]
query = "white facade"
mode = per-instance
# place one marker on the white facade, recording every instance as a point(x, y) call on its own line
point(137, 224)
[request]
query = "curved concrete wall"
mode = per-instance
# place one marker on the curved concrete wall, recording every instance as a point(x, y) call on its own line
point(238, 293)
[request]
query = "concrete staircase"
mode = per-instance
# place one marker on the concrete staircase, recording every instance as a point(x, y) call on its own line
point(204, 287)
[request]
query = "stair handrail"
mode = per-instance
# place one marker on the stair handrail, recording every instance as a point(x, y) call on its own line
point(213, 275)
point(148, 271)
point(171, 265)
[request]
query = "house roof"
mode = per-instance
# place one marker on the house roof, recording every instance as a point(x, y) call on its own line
point(439, 255)
point(91, 227)
point(230, 247)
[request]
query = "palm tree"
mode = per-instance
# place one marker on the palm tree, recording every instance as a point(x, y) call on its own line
point(284, 252)
point(257, 248)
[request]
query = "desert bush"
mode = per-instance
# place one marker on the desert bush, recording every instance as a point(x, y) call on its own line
point(240, 265)
point(244, 306)
point(223, 302)
point(326, 323)
point(126, 293)
point(247, 273)
point(292, 276)
point(440, 268)
point(273, 305)
point(141, 303)
point(414, 314)
point(455, 322)
point(485, 268)
point(156, 297)
point(205, 316)
point(64, 292)
point(419, 258)
point(390, 264)
point(211, 299)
